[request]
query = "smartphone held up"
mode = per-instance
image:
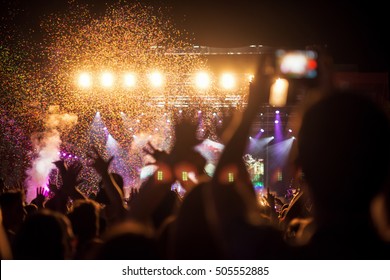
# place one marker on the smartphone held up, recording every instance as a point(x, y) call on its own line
point(296, 64)
point(294, 71)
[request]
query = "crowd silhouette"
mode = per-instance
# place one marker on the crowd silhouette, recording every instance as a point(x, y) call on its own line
point(340, 210)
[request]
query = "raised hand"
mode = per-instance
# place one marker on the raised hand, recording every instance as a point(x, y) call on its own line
point(69, 175)
point(40, 197)
point(157, 154)
point(115, 208)
point(186, 133)
point(99, 164)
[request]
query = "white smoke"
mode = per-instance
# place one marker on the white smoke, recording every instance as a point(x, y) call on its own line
point(46, 147)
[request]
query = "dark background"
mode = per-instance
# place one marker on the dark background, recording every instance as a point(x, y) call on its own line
point(355, 32)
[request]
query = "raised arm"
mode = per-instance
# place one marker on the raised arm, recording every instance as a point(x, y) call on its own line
point(154, 189)
point(231, 167)
point(68, 189)
point(115, 209)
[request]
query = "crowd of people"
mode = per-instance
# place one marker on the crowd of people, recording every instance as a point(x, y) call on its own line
point(340, 211)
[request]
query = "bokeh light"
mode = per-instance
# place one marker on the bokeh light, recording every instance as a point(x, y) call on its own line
point(107, 79)
point(202, 80)
point(156, 79)
point(129, 80)
point(85, 80)
point(228, 81)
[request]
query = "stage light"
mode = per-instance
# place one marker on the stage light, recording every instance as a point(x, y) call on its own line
point(156, 79)
point(202, 80)
point(278, 93)
point(107, 79)
point(85, 80)
point(228, 81)
point(129, 80)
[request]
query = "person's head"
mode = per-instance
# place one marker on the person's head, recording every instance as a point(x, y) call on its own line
point(344, 151)
point(85, 218)
point(193, 236)
point(127, 241)
point(12, 205)
point(45, 235)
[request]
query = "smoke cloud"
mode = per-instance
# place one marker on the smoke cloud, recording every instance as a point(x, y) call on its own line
point(46, 148)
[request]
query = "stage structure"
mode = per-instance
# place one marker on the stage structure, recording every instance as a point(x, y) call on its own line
point(272, 137)
point(222, 85)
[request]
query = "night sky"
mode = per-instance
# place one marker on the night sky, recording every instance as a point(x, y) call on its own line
point(353, 31)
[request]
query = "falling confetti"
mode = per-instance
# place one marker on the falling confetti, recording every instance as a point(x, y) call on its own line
point(126, 38)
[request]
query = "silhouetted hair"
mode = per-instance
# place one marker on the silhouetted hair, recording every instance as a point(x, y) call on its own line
point(128, 241)
point(344, 149)
point(45, 235)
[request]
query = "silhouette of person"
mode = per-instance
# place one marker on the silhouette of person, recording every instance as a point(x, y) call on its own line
point(344, 151)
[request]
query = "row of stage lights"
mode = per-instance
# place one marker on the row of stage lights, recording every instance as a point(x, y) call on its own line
point(201, 80)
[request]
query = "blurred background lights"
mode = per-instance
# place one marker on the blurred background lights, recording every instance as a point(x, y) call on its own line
point(278, 94)
point(107, 79)
point(228, 81)
point(85, 80)
point(156, 79)
point(129, 80)
point(202, 80)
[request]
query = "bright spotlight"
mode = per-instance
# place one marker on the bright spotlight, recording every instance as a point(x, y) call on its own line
point(202, 80)
point(228, 81)
point(107, 79)
point(129, 80)
point(279, 90)
point(156, 79)
point(85, 80)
